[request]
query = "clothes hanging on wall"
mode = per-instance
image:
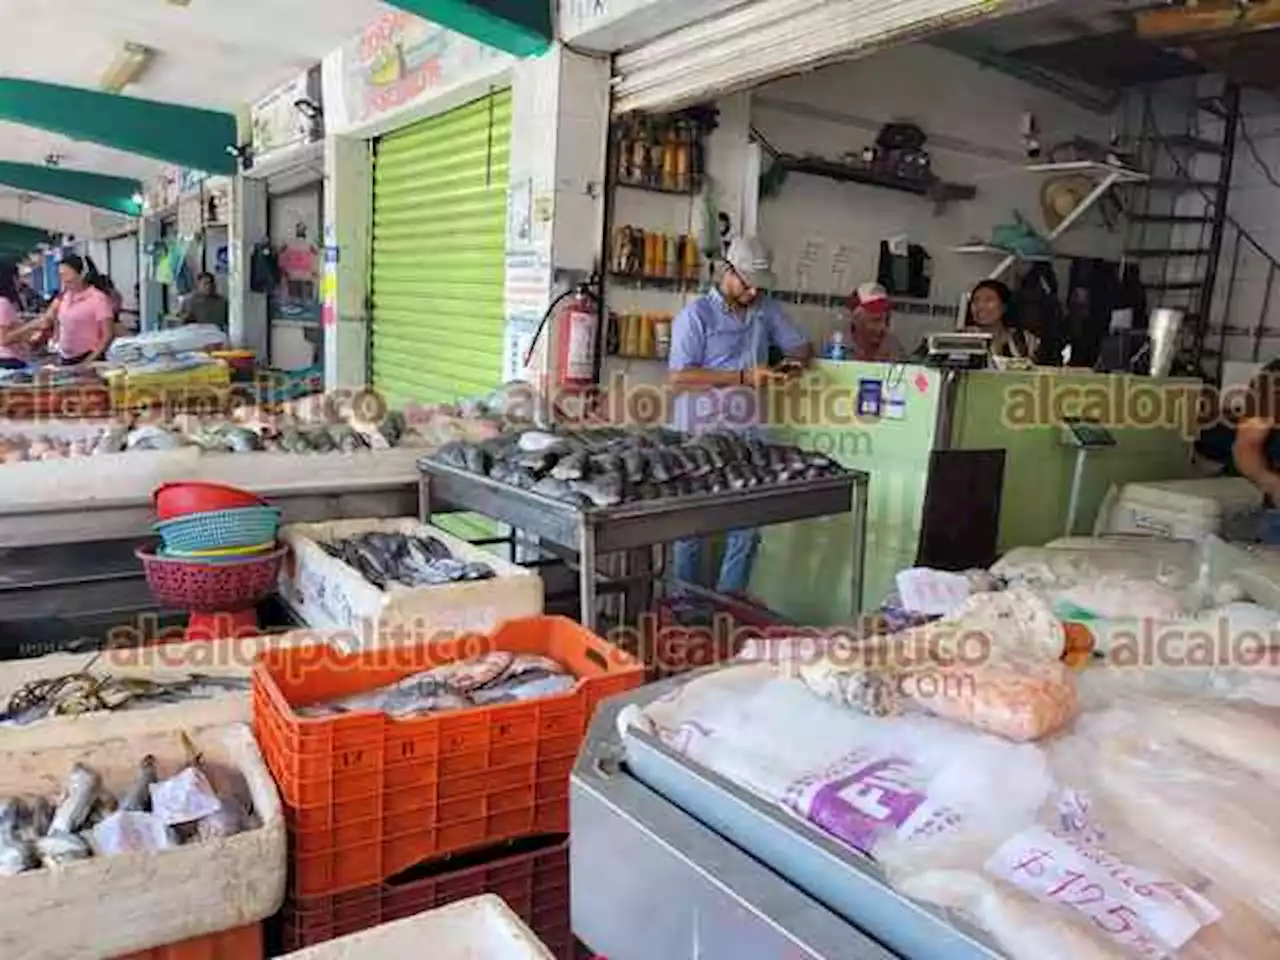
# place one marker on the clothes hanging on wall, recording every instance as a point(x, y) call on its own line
point(264, 268)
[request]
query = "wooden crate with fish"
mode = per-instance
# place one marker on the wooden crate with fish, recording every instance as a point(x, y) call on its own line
point(70, 894)
point(398, 581)
point(389, 757)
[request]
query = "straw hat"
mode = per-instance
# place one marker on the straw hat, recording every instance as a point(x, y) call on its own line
point(1059, 196)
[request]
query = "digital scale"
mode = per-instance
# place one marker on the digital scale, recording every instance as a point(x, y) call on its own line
point(1083, 436)
point(958, 351)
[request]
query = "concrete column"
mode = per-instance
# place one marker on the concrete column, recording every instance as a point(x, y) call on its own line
point(559, 140)
point(248, 226)
point(348, 212)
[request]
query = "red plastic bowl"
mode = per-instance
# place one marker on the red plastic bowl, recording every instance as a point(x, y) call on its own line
point(182, 499)
point(211, 587)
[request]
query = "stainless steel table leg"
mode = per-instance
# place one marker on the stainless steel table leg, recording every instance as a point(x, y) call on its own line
point(856, 599)
point(589, 612)
point(424, 498)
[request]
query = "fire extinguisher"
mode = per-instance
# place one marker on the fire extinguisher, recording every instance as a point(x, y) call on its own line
point(576, 318)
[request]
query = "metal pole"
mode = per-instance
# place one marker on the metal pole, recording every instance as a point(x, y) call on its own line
point(1077, 480)
point(856, 599)
point(588, 613)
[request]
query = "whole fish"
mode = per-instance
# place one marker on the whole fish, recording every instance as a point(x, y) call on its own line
point(57, 849)
point(16, 855)
point(139, 796)
point(80, 793)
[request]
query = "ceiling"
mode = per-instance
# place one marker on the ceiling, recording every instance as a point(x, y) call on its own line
point(216, 54)
point(1089, 46)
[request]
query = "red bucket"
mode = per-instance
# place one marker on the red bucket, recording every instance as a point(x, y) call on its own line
point(181, 499)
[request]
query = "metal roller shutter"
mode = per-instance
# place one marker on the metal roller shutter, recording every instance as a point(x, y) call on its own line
point(759, 41)
point(439, 253)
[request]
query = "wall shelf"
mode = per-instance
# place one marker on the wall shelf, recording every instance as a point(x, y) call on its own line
point(668, 284)
point(867, 175)
point(987, 250)
point(654, 188)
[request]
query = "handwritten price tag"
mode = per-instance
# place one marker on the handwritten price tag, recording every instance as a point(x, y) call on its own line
point(1153, 917)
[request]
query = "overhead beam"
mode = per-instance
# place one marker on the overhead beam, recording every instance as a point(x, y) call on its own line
point(186, 136)
point(519, 27)
point(1207, 17)
point(11, 233)
point(92, 189)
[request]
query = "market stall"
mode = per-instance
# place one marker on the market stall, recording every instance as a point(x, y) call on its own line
point(998, 436)
point(647, 489)
point(949, 820)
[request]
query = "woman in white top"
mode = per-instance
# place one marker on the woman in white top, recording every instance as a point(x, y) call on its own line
point(15, 336)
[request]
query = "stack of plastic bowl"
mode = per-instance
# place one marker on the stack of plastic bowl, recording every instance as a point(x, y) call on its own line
point(218, 557)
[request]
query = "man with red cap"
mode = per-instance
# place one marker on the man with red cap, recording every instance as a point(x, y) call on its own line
point(870, 312)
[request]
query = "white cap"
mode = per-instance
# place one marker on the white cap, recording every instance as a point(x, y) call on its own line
point(870, 297)
point(751, 261)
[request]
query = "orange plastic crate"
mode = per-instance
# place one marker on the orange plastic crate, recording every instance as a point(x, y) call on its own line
point(242, 943)
point(367, 797)
point(534, 882)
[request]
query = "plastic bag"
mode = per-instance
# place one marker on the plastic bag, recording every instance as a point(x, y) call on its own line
point(1076, 560)
point(185, 797)
point(132, 831)
point(860, 778)
point(1215, 817)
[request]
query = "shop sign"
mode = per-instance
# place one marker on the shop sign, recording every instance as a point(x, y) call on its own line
point(278, 125)
point(400, 57)
point(162, 193)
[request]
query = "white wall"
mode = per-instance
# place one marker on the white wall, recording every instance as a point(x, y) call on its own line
point(972, 118)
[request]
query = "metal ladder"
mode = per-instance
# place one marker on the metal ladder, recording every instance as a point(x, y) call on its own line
point(1178, 219)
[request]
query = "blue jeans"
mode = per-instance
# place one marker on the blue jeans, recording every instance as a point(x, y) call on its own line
point(735, 568)
point(1269, 527)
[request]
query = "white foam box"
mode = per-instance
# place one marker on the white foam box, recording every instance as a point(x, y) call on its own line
point(482, 928)
point(115, 906)
point(326, 593)
point(165, 663)
point(1182, 509)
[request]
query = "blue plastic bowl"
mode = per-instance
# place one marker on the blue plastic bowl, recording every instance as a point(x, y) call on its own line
point(241, 527)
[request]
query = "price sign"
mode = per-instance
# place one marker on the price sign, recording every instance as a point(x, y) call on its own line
point(1151, 916)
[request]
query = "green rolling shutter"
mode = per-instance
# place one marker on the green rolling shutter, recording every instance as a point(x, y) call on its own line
point(439, 254)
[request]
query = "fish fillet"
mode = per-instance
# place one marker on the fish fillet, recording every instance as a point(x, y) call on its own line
point(1025, 929)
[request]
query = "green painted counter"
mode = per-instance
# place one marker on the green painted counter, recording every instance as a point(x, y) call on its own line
point(1021, 413)
point(803, 569)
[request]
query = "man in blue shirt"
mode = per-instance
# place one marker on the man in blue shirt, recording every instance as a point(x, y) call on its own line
point(718, 369)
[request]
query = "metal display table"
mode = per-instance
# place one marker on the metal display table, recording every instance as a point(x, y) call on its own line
point(669, 860)
point(591, 533)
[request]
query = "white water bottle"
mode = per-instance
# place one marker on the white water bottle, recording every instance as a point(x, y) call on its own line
point(835, 346)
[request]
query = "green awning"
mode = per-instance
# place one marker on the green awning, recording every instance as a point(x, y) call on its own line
point(519, 27)
point(186, 136)
point(94, 189)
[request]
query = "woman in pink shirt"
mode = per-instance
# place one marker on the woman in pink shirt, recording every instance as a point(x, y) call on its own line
point(82, 316)
point(15, 336)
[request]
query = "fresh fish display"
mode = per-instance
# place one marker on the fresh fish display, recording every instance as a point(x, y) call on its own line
point(493, 678)
point(89, 821)
point(604, 467)
point(79, 693)
point(385, 558)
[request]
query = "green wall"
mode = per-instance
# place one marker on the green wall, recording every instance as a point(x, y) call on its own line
point(1021, 413)
point(804, 570)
